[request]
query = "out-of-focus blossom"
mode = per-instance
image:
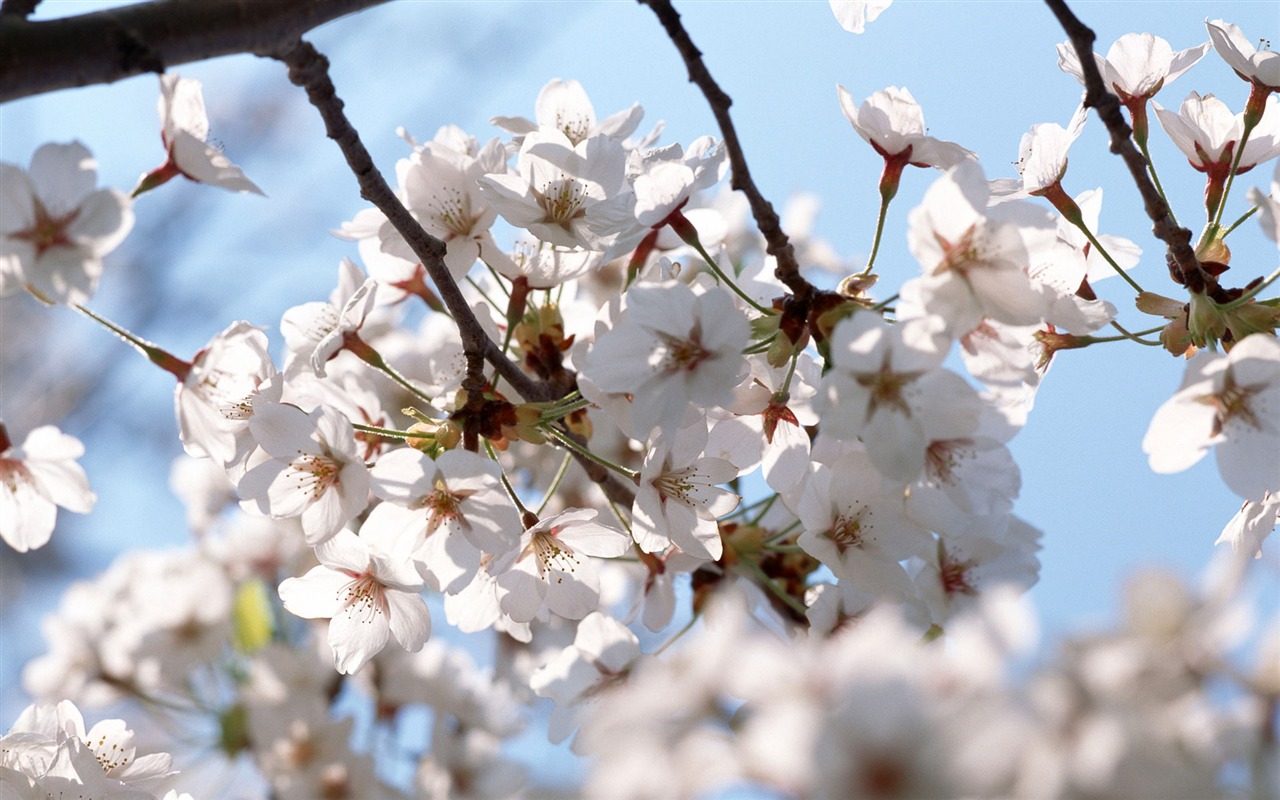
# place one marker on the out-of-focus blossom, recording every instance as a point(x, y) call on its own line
point(854, 15)
point(35, 478)
point(55, 226)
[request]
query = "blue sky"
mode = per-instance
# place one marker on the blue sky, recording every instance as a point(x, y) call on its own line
point(983, 72)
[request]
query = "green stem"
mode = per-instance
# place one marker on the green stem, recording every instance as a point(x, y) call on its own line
point(875, 243)
point(711, 264)
point(884, 304)
point(385, 431)
point(1102, 251)
point(525, 513)
point(687, 627)
point(767, 504)
point(1236, 224)
point(1133, 336)
point(564, 409)
point(154, 353)
point(565, 440)
point(1231, 176)
point(1252, 293)
point(555, 482)
point(792, 603)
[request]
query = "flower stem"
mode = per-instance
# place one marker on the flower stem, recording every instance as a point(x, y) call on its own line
point(1151, 170)
point(689, 234)
point(1124, 334)
point(1102, 251)
point(1252, 293)
point(565, 440)
point(157, 355)
point(555, 482)
point(1236, 224)
point(757, 573)
point(1249, 125)
point(688, 626)
point(885, 199)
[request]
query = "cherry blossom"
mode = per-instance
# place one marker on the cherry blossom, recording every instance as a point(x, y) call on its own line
point(1230, 403)
point(368, 595)
point(565, 194)
point(35, 478)
point(670, 348)
point(1136, 66)
point(854, 15)
point(893, 124)
point(55, 227)
point(1259, 67)
point(447, 513)
point(678, 499)
point(184, 129)
point(564, 106)
point(215, 399)
point(603, 650)
point(553, 569)
point(307, 466)
point(975, 259)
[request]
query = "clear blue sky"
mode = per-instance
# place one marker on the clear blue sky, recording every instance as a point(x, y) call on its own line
point(983, 72)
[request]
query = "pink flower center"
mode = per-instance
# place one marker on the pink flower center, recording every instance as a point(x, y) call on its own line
point(315, 473)
point(364, 598)
point(47, 231)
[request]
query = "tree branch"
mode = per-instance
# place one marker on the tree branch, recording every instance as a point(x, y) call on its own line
point(1181, 256)
point(310, 70)
point(20, 8)
point(778, 246)
point(106, 46)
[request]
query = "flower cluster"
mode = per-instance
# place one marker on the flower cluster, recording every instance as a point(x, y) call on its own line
point(641, 396)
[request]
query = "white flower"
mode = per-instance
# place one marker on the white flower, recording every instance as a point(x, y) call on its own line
point(1207, 133)
point(441, 190)
point(215, 400)
point(447, 513)
point(975, 262)
point(893, 124)
point(184, 129)
point(554, 570)
point(1259, 67)
point(1230, 403)
point(1137, 66)
point(669, 349)
point(564, 106)
point(50, 746)
point(1251, 525)
point(1042, 153)
point(55, 227)
point(368, 595)
point(886, 387)
point(854, 15)
point(315, 332)
point(857, 529)
point(664, 178)
point(35, 478)
point(679, 499)
point(308, 467)
point(603, 651)
point(565, 194)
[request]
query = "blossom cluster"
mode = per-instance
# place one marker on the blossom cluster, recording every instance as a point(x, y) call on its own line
point(672, 406)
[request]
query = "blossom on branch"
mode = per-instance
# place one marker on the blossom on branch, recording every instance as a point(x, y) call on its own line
point(184, 129)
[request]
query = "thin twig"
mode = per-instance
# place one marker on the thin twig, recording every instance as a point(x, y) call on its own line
point(1181, 256)
point(778, 246)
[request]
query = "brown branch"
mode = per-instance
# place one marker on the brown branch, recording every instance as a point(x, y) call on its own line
point(20, 8)
point(310, 70)
point(778, 246)
point(1181, 256)
point(106, 46)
